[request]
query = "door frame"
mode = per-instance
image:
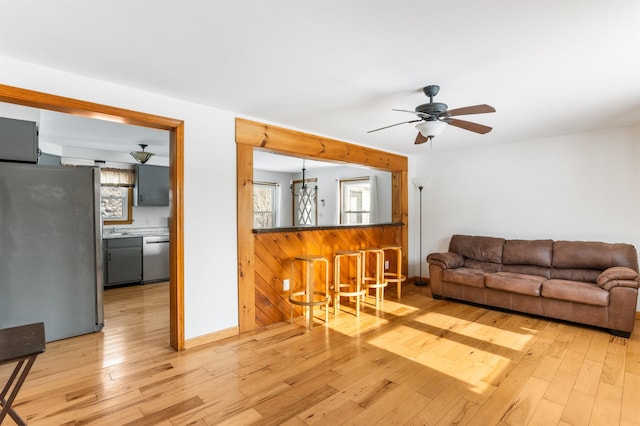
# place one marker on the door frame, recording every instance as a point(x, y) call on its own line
point(30, 98)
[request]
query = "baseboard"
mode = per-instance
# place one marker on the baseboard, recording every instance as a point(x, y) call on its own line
point(637, 315)
point(211, 337)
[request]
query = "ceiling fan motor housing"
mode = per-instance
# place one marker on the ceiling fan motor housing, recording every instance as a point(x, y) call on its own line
point(433, 109)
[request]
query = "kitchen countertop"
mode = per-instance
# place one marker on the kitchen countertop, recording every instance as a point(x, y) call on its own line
point(110, 232)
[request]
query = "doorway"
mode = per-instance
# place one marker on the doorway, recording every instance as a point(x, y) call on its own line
point(175, 127)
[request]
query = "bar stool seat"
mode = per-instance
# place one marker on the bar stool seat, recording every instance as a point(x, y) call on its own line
point(347, 284)
point(395, 276)
point(311, 296)
point(373, 277)
point(18, 344)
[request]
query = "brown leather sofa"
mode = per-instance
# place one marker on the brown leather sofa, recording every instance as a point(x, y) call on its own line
point(591, 283)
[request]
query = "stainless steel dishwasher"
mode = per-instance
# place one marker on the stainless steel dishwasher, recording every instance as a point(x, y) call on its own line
point(155, 258)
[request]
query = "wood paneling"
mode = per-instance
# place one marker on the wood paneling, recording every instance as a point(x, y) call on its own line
point(253, 289)
point(274, 260)
point(175, 127)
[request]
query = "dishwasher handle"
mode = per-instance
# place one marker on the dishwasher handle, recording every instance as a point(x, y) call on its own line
point(156, 242)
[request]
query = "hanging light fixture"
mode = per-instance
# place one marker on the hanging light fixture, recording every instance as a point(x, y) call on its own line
point(431, 128)
point(304, 190)
point(142, 156)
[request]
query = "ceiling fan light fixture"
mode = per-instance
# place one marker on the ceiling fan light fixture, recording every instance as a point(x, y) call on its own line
point(431, 128)
point(142, 156)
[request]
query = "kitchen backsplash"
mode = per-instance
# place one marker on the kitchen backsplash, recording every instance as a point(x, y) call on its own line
point(148, 217)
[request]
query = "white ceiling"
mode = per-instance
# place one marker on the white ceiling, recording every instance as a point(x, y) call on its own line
point(338, 67)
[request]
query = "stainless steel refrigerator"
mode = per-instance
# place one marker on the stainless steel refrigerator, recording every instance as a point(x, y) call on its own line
point(51, 248)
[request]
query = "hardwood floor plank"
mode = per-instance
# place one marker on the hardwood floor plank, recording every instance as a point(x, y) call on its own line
point(630, 408)
point(577, 410)
point(414, 361)
point(546, 413)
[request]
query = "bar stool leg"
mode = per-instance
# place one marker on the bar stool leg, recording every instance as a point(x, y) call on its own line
point(349, 288)
point(310, 296)
point(377, 279)
point(395, 276)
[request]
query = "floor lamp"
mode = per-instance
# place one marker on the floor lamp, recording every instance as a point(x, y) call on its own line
point(419, 282)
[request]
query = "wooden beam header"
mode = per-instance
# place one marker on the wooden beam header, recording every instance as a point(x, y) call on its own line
point(292, 142)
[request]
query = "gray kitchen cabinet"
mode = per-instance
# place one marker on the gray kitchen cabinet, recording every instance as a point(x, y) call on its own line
point(152, 186)
point(123, 260)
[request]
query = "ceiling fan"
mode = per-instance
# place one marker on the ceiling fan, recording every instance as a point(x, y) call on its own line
point(434, 117)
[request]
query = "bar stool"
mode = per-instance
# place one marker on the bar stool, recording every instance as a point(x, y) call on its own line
point(375, 279)
point(395, 276)
point(310, 296)
point(350, 285)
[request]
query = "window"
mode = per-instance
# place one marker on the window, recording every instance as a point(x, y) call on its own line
point(264, 204)
point(355, 201)
point(305, 206)
point(116, 196)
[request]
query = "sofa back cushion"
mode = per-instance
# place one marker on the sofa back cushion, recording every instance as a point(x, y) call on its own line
point(585, 260)
point(528, 252)
point(482, 249)
point(529, 257)
point(593, 255)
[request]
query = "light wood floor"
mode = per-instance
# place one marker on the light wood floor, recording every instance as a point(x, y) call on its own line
point(417, 362)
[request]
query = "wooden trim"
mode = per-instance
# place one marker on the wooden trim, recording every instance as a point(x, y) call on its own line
point(246, 268)
point(211, 338)
point(72, 106)
point(176, 238)
point(637, 315)
point(175, 127)
point(129, 219)
point(250, 135)
point(304, 145)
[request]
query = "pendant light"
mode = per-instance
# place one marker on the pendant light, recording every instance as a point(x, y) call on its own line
point(142, 156)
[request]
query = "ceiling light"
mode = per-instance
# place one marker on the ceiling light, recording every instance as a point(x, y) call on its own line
point(304, 190)
point(431, 128)
point(142, 156)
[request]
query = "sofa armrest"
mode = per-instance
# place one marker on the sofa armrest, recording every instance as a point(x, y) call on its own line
point(620, 283)
point(448, 260)
point(618, 276)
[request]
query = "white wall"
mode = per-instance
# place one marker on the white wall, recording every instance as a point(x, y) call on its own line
point(574, 187)
point(209, 179)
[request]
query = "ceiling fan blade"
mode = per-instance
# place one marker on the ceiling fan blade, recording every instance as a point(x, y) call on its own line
point(420, 139)
point(419, 114)
point(392, 125)
point(475, 109)
point(468, 125)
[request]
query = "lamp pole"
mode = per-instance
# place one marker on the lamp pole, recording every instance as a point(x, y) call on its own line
point(420, 283)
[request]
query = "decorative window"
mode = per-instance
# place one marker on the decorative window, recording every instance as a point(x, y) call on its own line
point(305, 206)
point(264, 204)
point(355, 201)
point(116, 196)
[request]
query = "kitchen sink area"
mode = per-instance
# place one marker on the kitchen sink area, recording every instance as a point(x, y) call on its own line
point(135, 255)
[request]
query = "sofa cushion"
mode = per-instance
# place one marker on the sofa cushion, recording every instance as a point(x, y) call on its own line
point(540, 271)
point(593, 255)
point(575, 291)
point(528, 252)
point(515, 283)
point(465, 276)
point(585, 275)
point(484, 249)
point(485, 266)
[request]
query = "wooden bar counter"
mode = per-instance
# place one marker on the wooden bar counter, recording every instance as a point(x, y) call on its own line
point(276, 249)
